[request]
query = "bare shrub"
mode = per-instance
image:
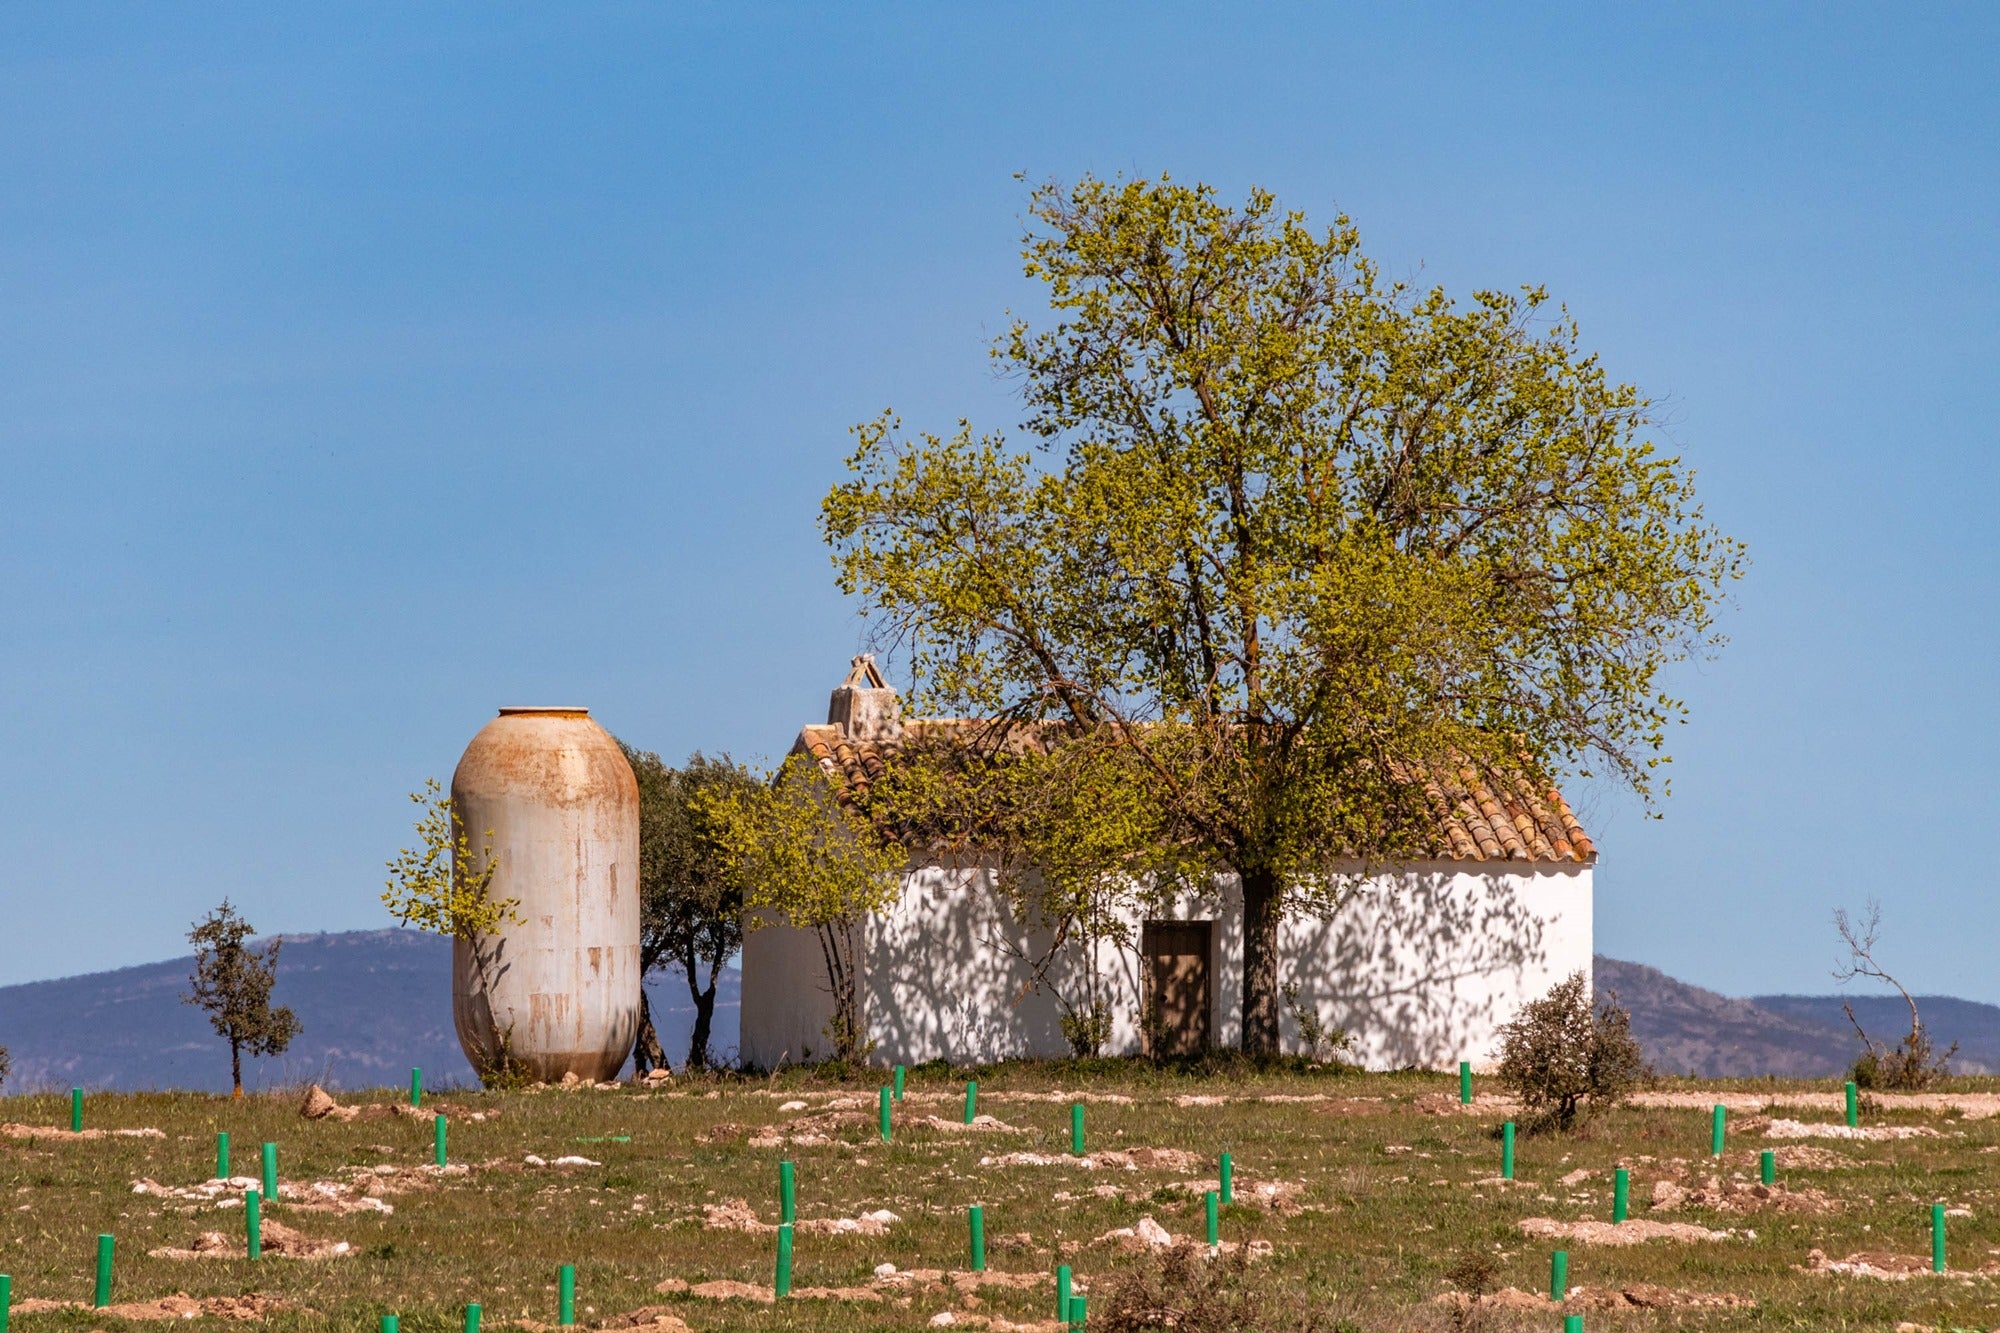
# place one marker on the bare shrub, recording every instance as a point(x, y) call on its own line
point(1182, 1288)
point(1564, 1057)
point(1912, 1064)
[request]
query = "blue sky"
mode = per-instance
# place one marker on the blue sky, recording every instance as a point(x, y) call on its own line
point(362, 371)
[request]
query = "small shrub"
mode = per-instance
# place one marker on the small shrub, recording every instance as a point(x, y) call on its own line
point(1323, 1042)
point(1564, 1058)
point(1086, 1029)
point(1181, 1288)
point(1474, 1272)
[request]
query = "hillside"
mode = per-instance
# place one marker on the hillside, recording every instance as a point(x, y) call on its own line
point(372, 1004)
point(1974, 1026)
point(1687, 1030)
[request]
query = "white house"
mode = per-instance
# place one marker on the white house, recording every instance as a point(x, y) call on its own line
point(1421, 967)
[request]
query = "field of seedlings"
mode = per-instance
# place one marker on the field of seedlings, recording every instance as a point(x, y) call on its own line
point(1353, 1202)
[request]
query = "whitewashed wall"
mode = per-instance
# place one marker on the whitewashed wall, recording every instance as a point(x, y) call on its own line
point(1421, 967)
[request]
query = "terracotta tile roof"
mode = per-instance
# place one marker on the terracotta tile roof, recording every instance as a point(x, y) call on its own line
point(1483, 815)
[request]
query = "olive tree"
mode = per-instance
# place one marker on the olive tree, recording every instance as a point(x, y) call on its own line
point(1295, 535)
point(690, 909)
point(232, 982)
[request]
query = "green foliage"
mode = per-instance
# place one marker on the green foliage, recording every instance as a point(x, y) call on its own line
point(232, 982)
point(795, 853)
point(1290, 534)
point(1562, 1056)
point(1320, 1040)
point(441, 885)
point(690, 909)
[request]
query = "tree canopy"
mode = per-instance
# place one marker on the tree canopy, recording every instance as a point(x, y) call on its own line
point(1292, 536)
point(232, 982)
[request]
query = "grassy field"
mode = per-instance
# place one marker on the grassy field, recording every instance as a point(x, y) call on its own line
point(1387, 1201)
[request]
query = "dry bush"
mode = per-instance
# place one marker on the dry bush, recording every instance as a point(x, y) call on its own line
point(1182, 1288)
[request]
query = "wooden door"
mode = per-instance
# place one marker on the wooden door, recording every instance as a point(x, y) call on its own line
point(1176, 954)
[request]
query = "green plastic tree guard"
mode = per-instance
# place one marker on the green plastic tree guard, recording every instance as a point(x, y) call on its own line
point(437, 1137)
point(1076, 1128)
point(1718, 1129)
point(472, 1318)
point(788, 1194)
point(6, 1299)
point(1214, 1216)
point(971, 1099)
point(1228, 1179)
point(388, 1323)
point(76, 1110)
point(1062, 1292)
point(1937, 1238)
point(566, 1295)
point(222, 1155)
point(781, 1282)
point(1079, 1309)
point(1465, 1082)
point(253, 1223)
point(1559, 1275)
point(883, 1115)
point(975, 1222)
point(270, 1170)
point(1853, 1106)
point(416, 1086)
point(106, 1248)
point(1767, 1167)
point(899, 1083)
point(1621, 1194)
point(1507, 1151)
point(1573, 1323)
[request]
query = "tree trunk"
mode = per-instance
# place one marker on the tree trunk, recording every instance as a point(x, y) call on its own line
point(1260, 962)
point(236, 1067)
point(646, 1051)
point(704, 1014)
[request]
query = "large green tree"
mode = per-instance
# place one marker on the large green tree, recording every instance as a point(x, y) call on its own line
point(1296, 537)
point(690, 910)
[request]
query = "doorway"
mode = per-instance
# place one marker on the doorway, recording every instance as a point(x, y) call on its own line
point(1177, 991)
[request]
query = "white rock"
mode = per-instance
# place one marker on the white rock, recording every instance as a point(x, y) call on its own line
point(576, 1161)
point(885, 1270)
point(533, 1160)
point(793, 1106)
point(943, 1319)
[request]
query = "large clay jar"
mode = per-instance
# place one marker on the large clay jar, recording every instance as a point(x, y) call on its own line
point(548, 792)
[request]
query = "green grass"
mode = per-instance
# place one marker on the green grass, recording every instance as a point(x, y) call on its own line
point(1375, 1239)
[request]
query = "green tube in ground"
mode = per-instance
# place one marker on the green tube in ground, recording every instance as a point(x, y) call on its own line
point(1078, 1309)
point(781, 1281)
point(1767, 1167)
point(1228, 1179)
point(106, 1247)
point(1507, 1151)
point(975, 1223)
point(388, 1323)
point(76, 1110)
point(883, 1115)
point(472, 1318)
point(566, 1296)
point(1062, 1292)
point(1718, 1129)
point(416, 1086)
point(222, 1156)
point(437, 1140)
point(788, 1194)
point(1076, 1128)
point(1559, 1275)
point(1937, 1238)
point(1214, 1216)
point(971, 1099)
point(1573, 1323)
point(6, 1299)
point(1465, 1082)
point(1621, 1194)
point(899, 1083)
point(253, 1224)
point(1853, 1107)
point(270, 1170)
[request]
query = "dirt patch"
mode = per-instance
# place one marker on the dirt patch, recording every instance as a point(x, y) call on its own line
point(1637, 1296)
point(1806, 1157)
point(1143, 1235)
point(890, 1278)
point(51, 1132)
point(1632, 1231)
point(1871, 1263)
point(725, 1289)
point(1736, 1196)
point(737, 1215)
point(1271, 1196)
point(1971, 1105)
point(1798, 1129)
point(319, 1104)
point(981, 1124)
point(1138, 1159)
point(177, 1306)
point(654, 1318)
point(1447, 1103)
point(279, 1241)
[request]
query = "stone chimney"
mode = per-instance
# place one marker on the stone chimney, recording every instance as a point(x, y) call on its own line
point(864, 707)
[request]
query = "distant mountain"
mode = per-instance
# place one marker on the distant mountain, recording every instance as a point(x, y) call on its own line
point(371, 1004)
point(1687, 1030)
